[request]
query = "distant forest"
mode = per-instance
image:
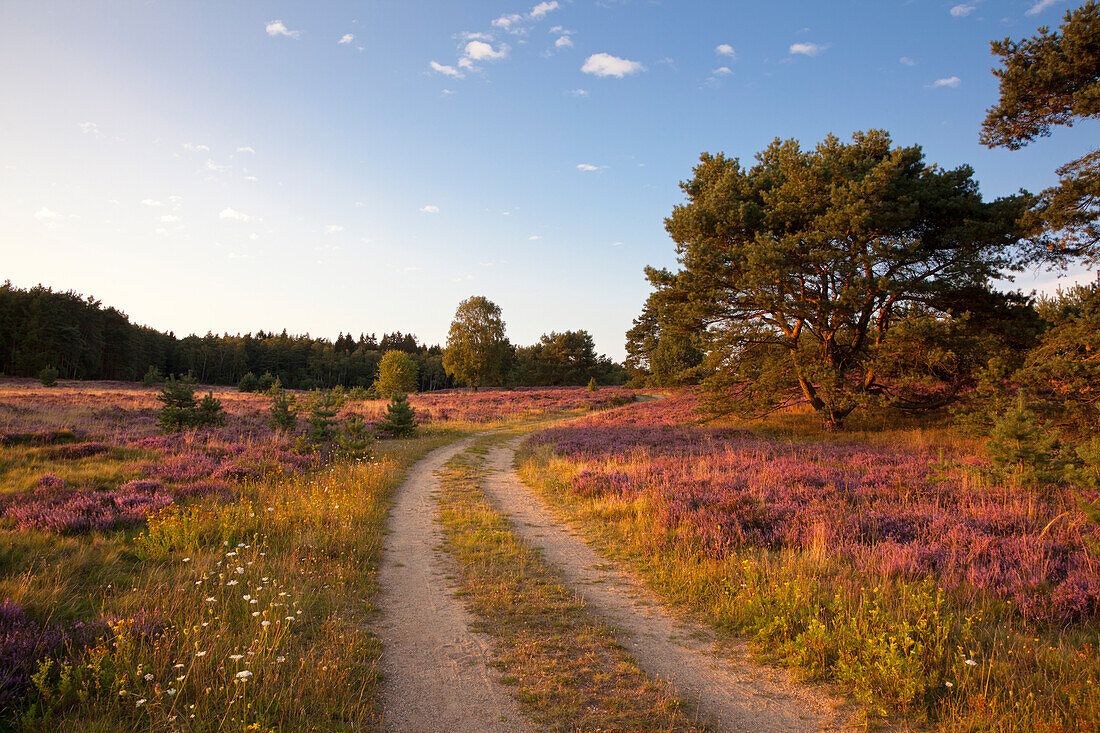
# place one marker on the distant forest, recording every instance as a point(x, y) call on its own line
point(82, 339)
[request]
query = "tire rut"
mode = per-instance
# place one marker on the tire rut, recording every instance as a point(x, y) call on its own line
point(436, 672)
point(728, 690)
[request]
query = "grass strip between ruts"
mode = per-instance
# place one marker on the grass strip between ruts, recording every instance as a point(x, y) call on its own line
point(564, 666)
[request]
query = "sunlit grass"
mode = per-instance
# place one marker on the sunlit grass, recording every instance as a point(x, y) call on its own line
point(563, 665)
point(956, 660)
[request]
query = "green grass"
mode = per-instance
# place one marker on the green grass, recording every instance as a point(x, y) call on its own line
point(563, 665)
point(899, 648)
point(307, 547)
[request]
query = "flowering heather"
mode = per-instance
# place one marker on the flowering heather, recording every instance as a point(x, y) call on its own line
point(905, 513)
point(63, 431)
point(23, 644)
point(498, 404)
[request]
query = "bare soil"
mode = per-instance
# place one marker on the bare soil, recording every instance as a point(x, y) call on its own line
point(436, 672)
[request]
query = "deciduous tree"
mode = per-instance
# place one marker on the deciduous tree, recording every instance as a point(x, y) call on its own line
point(477, 350)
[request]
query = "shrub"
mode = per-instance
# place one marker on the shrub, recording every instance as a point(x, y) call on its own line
point(399, 419)
point(248, 383)
point(152, 377)
point(48, 377)
point(592, 386)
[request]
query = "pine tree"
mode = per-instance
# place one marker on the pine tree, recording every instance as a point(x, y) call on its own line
point(592, 386)
point(356, 440)
point(48, 377)
point(248, 383)
point(1020, 446)
point(152, 377)
point(284, 411)
point(322, 409)
point(209, 412)
point(178, 398)
point(399, 419)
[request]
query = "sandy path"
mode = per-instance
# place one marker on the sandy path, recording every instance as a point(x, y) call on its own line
point(436, 674)
point(729, 691)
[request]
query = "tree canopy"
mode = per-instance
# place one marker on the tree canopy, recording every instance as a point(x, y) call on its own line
point(477, 350)
point(1046, 80)
point(827, 274)
point(396, 374)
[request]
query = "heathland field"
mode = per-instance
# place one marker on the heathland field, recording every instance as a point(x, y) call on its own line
point(227, 577)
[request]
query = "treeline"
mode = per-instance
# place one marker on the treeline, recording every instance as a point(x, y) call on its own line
point(41, 328)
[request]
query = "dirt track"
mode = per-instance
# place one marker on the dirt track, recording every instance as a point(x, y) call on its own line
point(436, 672)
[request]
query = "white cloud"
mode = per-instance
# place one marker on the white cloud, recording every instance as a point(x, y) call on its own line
point(429, 209)
point(448, 70)
point(726, 50)
point(563, 42)
point(277, 28)
point(346, 38)
point(447, 92)
point(541, 10)
point(949, 81)
point(252, 179)
point(578, 93)
point(907, 61)
point(246, 149)
point(507, 21)
point(534, 238)
point(468, 36)
point(963, 10)
point(616, 244)
point(604, 64)
point(217, 167)
point(89, 128)
point(45, 214)
point(722, 71)
point(253, 236)
point(170, 218)
point(196, 148)
point(587, 167)
point(482, 51)
point(467, 64)
point(333, 229)
point(808, 49)
point(1040, 6)
point(234, 215)
point(151, 202)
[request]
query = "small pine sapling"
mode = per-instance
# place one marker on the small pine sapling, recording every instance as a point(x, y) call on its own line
point(399, 420)
point(284, 411)
point(1021, 447)
point(178, 398)
point(48, 377)
point(267, 382)
point(356, 440)
point(152, 377)
point(248, 383)
point(322, 409)
point(209, 412)
point(592, 386)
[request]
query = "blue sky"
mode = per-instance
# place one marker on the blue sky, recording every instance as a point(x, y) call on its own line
point(364, 166)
